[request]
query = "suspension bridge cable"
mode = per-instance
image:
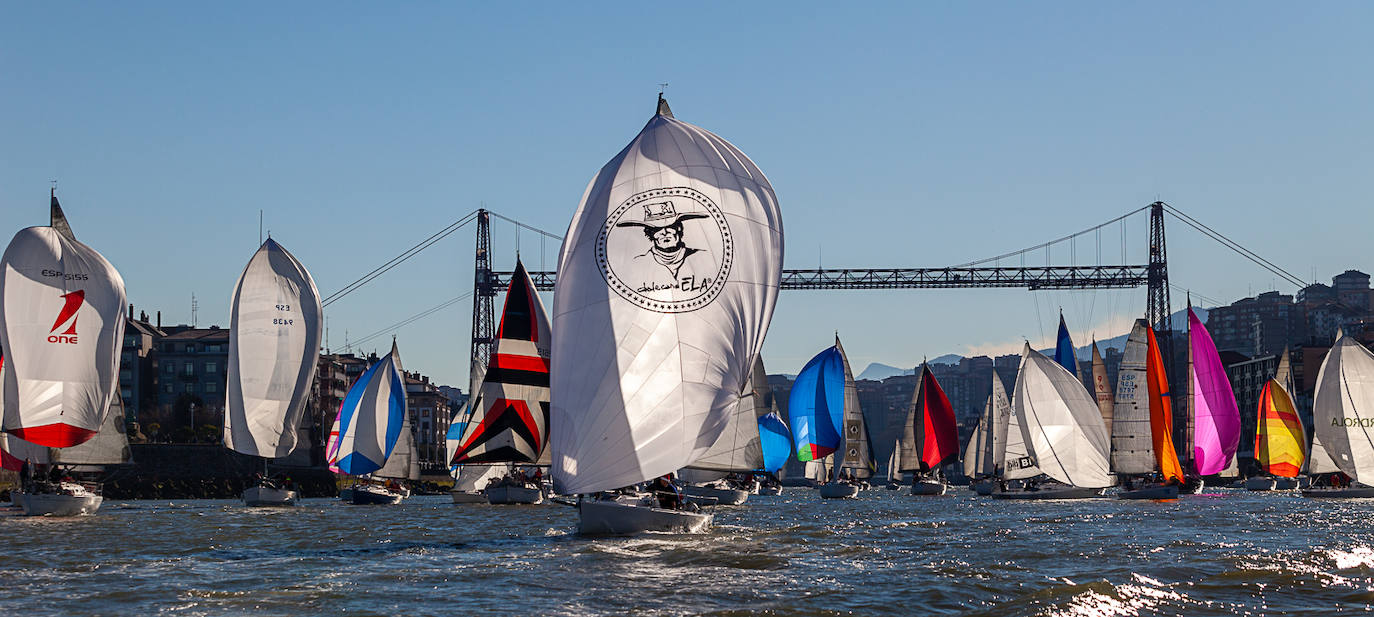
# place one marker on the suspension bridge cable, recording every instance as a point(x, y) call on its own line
point(413, 318)
point(531, 228)
point(1235, 246)
point(399, 259)
point(1047, 245)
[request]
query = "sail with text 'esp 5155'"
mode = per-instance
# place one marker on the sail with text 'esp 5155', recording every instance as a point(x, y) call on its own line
point(62, 329)
point(667, 280)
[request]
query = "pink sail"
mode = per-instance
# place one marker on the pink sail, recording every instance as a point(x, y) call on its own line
point(1216, 419)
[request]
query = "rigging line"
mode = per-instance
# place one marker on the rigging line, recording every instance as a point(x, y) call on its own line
point(1047, 244)
point(519, 224)
point(397, 260)
point(1235, 246)
point(413, 318)
point(1211, 301)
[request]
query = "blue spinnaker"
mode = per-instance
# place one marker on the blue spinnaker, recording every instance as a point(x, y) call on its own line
point(815, 407)
point(1063, 349)
point(776, 441)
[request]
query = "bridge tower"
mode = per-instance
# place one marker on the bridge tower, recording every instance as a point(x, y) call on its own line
point(1157, 311)
point(484, 297)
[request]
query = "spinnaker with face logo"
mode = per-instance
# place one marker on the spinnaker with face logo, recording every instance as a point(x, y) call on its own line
point(667, 280)
point(275, 328)
point(61, 327)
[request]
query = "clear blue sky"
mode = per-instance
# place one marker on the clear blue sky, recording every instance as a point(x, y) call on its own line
point(903, 134)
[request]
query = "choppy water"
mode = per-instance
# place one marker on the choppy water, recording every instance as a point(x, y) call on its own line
point(887, 553)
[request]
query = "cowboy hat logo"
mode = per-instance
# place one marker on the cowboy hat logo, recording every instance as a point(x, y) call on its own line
point(667, 250)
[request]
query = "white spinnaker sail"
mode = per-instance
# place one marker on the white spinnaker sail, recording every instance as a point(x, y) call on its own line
point(275, 328)
point(110, 446)
point(13, 450)
point(472, 478)
point(738, 448)
point(1343, 409)
point(62, 328)
point(1061, 423)
point(667, 279)
point(1132, 442)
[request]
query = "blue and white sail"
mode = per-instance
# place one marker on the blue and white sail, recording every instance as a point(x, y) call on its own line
point(372, 417)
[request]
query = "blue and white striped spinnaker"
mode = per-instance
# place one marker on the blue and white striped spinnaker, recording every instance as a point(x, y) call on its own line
point(372, 417)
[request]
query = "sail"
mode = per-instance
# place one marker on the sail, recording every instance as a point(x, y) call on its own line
point(1018, 462)
point(1161, 411)
point(110, 446)
point(13, 450)
point(1102, 388)
point(858, 445)
point(1063, 350)
point(930, 438)
point(1343, 409)
point(62, 328)
point(1279, 437)
point(275, 329)
point(1060, 422)
point(371, 417)
point(819, 470)
point(1132, 441)
point(893, 474)
point(404, 462)
point(739, 448)
point(510, 416)
point(667, 280)
point(815, 406)
point(775, 440)
point(473, 478)
point(1216, 419)
point(987, 448)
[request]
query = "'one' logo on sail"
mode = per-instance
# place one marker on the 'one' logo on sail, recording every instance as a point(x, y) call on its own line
point(67, 317)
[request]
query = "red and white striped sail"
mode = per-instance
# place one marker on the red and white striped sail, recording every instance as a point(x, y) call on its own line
point(61, 326)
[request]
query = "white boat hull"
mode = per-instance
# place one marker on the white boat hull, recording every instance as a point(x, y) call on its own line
point(53, 504)
point(262, 496)
point(710, 495)
point(514, 495)
point(1260, 483)
point(1068, 492)
point(1353, 492)
point(1159, 491)
point(613, 518)
point(928, 487)
point(839, 490)
point(466, 497)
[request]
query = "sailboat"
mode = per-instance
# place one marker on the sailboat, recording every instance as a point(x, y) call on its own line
point(1341, 412)
point(930, 438)
point(1062, 429)
point(1212, 410)
point(1279, 439)
point(738, 450)
point(1102, 387)
point(667, 280)
point(372, 421)
point(1142, 422)
point(510, 413)
point(987, 448)
point(1063, 350)
point(275, 329)
point(775, 439)
point(894, 476)
point(61, 326)
point(826, 420)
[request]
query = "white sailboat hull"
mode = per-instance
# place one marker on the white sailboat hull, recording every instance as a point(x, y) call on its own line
point(1067, 492)
point(262, 496)
point(467, 497)
point(1160, 491)
point(58, 504)
point(1260, 483)
point(928, 487)
point(839, 490)
point(1353, 492)
point(710, 495)
point(514, 495)
point(614, 518)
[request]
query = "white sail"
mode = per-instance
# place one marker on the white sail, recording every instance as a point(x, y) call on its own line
point(819, 471)
point(1018, 462)
point(1343, 409)
point(738, 448)
point(667, 280)
point(275, 328)
point(472, 478)
point(110, 446)
point(987, 448)
point(892, 474)
point(857, 453)
point(1132, 441)
point(404, 462)
point(62, 328)
point(1318, 461)
point(1061, 423)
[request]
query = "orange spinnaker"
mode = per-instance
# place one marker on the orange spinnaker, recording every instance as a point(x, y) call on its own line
point(1279, 434)
point(1161, 412)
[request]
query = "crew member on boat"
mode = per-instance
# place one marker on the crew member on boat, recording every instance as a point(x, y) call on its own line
point(668, 494)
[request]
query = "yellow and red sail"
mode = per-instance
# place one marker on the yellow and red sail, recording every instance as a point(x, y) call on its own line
point(1279, 434)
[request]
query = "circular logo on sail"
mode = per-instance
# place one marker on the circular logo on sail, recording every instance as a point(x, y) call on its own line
point(667, 250)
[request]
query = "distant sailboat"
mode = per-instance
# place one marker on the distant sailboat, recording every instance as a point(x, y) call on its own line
point(1279, 439)
point(62, 327)
point(1063, 350)
point(775, 439)
point(1212, 404)
point(987, 448)
point(275, 329)
point(930, 438)
point(667, 280)
point(372, 419)
point(1142, 422)
point(738, 450)
point(509, 422)
point(1341, 412)
point(1102, 387)
point(826, 419)
point(1062, 429)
